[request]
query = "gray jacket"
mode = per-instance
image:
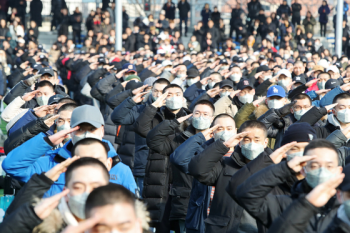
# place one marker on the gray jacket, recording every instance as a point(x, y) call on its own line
point(340, 141)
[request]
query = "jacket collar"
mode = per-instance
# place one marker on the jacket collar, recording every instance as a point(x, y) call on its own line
point(333, 121)
point(166, 114)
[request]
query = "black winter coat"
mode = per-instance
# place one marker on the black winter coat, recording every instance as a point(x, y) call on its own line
point(169, 11)
point(164, 141)
point(253, 196)
point(212, 169)
point(158, 174)
point(184, 8)
point(296, 8)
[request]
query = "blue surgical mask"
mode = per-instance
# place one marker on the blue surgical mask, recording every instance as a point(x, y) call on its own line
point(296, 154)
point(174, 103)
point(321, 85)
point(64, 127)
point(42, 100)
point(225, 93)
point(224, 135)
point(211, 84)
point(318, 176)
point(77, 204)
point(201, 123)
point(154, 98)
point(252, 150)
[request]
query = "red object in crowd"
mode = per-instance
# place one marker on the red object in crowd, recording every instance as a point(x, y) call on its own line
point(314, 87)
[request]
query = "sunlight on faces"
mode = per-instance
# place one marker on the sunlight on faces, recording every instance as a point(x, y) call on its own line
point(255, 135)
point(85, 179)
point(46, 91)
point(300, 146)
point(342, 105)
point(64, 118)
point(174, 92)
point(326, 158)
point(96, 151)
point(301, 104)
point(202, 110)
point(298, 68)
point(119, 217)
point(323, 77)
point(247, 90)
point(225, 123)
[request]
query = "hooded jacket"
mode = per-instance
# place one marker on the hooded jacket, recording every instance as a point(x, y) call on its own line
point(23, 167)
point(253, 196)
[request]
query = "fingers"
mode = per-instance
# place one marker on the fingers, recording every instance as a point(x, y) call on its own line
point(73, 129)
point(328, 107)
point(212, 129)
point(53, 118)
point(87, 224)
point(58, 196)
point(143, 93)
point(34, 92)
point(304, 158)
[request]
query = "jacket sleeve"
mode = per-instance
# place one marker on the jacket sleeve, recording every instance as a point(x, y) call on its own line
point(295, 218)
point(259, 163)
point(23, 219)
point(193, 91)
point(298, 90)
point(328, 98)
point(243, 114)
point(19, 90)
point(96, 94)
point(313, 115)
point(114, 101)
point(36, 187)
point(207, 166)
point(13, 109)
point(143, 123)
point(25, 133)
point(337, 138)
point(158, 140)
point(125, 113)
point(270, 119)
point(262, 88)
point(105, 85)
point(183, 154)
point(253, 194)
point(21, 164)
point(222, 105)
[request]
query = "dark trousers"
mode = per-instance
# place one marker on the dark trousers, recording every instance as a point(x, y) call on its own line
point(323, 29)
point(185, 21)
point(164, 225)
point(76, 36)
point(295, 21)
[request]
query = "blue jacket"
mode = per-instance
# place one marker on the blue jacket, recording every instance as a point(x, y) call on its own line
point(25, 119)
point(126, 113)
point(200, 193)
point(27, 159)
point(327, 98)
point(324, 11)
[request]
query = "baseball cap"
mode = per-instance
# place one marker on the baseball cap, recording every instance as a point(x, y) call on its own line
point(299, 79)
point(332, 83)
point(86, 114)
point(167, 63)
point(303, 59)
point(46, 71)
point(262, 68)
point(299, 132)
point(55, 98)
point(318, 68)
point(262, 57)
point(338, 65)
point(101, 60)
point(192, 73)
point(235, 58)
point(37, 67)
point(223, 61)
point(129, 67)
point(333, 68)
point(276, 91)
point(226, 83)
point(323, 63)
point(284, 72)
point(244, 83)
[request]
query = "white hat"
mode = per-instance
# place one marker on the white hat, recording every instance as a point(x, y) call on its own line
point(167, 63)
point(333, 68)
point(324, 63)
point(284, 72)
point(21, 41)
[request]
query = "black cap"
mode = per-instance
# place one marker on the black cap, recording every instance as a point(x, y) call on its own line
point(55, 98)
point(46, 70)
point(345, 185)
point(262, 57)
point(37, 67)
point(233, 65)
point(192, 73)
point(226, 83)
point(337, 64)
point(303, 59)
point(235, 58)
point(101, 60)
point(137, 56)
point(299, 79)
point(244, 83)
point(299, 132)
point(332, 83)
point(45, 63)
point(277, 66)
point(277, 55)
point(223, 61)
point(133, 85)
point(262, 68)
point(240, 60)
point(272, 59)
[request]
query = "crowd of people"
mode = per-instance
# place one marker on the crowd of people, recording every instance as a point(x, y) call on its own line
point(159, 138)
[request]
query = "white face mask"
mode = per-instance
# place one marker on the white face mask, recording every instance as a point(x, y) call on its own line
point(344, 116)
point(77, 204)
point(276, 104)
point(267, 77)
point(63, 127)
point(247, 98)
point(87, 134)
point(191, 81)
point(235, 77)
point(42, 100)
point(226, 93)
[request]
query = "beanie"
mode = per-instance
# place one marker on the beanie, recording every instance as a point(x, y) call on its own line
point(299, 132)
point(132, 76)
point(132, 85)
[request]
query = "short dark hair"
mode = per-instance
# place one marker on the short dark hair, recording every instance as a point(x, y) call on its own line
point(162, 81)
point(320, 143)
point(222, 115)
point(67, 107)
point(341, 96)
point(82, 162)
point(323, 73)
point(205, 102)
point(89, 141)
point(172, 85)
point(67, 100)
point(109, 194)
point(45, 83)
point(253, 124)
point(302, 96)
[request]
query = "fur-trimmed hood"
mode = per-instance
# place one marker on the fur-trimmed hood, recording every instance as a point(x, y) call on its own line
point(260, 110)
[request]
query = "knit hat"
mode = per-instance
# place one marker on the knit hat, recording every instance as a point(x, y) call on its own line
point(149, 81)
point(132, 76)
point(299, 132)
